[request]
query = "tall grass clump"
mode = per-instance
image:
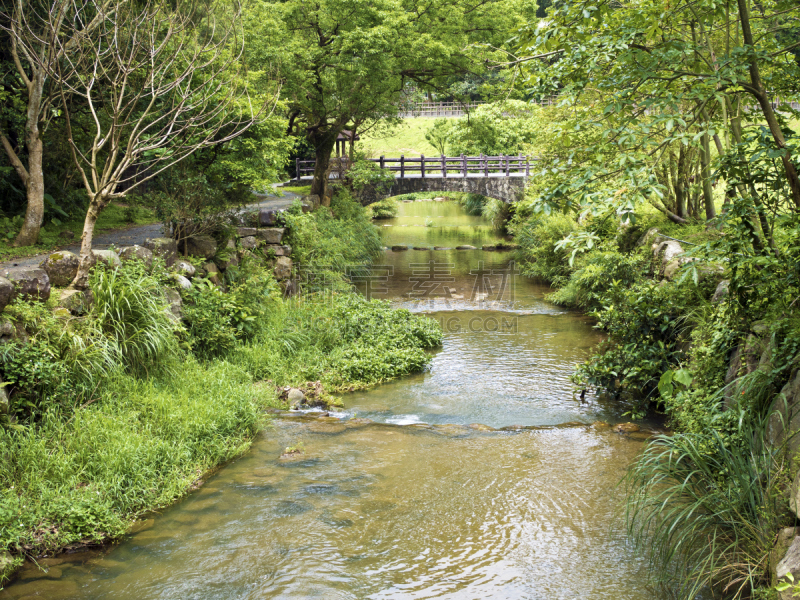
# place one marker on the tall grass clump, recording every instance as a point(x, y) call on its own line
point(706, 508)
point(134, 316)
point(384, 209)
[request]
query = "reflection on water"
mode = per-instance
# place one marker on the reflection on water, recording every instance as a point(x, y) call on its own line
point(411, 502)
point(377, 511)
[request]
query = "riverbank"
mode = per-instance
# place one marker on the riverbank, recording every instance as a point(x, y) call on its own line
point(120, 410)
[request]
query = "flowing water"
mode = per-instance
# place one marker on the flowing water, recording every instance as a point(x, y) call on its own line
point(413, 491)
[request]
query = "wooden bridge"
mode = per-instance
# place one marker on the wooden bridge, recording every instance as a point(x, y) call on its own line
point(502, 177)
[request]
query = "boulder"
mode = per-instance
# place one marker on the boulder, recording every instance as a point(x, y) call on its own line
point(137, 252)
point(61, 267)
point(289, 287)
point(249, 242)
point(296, 398)
point(29, 283)
point(306, 206)
point(789, 564)
point(185, 269)
point(245, 231)
point(202, 245)
point(12, 332)
point(667, 250)
point(61, 313)
point(784, 416)
point(163, 247)
point(626, 428)
point(721, 292)
point(794, 495)
point(107, 258)
point(277, 250)
point(271, 235)
point(267, 217)
point(782, 543)
point(77, 302)
point(466, 247)
point(182, 282)
point(399, 248)
point(8, 566)
point(312, 199)
point(173, 298)
point(6, 292)
point(212, 273)
point(283, 268)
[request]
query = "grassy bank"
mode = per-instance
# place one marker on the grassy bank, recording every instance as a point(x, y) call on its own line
point(407, 138)
point(120, 411)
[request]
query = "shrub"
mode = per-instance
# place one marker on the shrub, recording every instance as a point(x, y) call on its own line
point(707, 506)
point(537, 255)
point(384, 209)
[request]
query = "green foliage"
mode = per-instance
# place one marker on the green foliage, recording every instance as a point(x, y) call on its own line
point(706, 507)
point(384, 209)
point(133, 315)
point(365, 179)
point(140, 446)
point(329, 243)
point(537, 255)
point(438, 135)
point(511, 127)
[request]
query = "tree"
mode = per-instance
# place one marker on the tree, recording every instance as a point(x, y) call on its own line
point(670, 83)
point(38, 41)
point(349, 60)
point(158, 83)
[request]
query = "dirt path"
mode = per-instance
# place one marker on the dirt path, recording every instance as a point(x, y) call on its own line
point(137, 235)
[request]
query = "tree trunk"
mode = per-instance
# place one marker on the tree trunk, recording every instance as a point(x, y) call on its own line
point(34, 183)
point(705, 176)
point(323, 143)
point(87, 259)
point(763, 100)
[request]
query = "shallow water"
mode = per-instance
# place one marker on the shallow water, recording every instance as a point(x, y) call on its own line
point(413, 503)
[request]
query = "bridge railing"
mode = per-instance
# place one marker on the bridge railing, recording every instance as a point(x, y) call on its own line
point(435, 166)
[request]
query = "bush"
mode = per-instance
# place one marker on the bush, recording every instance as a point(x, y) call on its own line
point(537, 254)
point(384, 209)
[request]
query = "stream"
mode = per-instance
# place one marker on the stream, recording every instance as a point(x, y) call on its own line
point(413, 490)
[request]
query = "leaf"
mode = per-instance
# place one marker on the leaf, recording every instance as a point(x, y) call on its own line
point(665, 387)
point(683, 376)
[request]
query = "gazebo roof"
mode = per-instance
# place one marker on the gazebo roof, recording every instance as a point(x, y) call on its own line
point(347, 135)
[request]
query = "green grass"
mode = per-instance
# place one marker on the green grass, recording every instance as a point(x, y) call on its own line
point(302, 190)
point(407, 139)
point(114, 217)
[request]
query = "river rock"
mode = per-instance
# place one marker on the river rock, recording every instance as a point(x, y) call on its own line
point(61, 267)
point(107, 258)
point(466, 247)
point(399, 248)
point(245, 231)
point(163, 247)
point(421, 248)
point(173, 298)
point(77, 302)
point(249, 242)
point(5, 408)
point(212, 273)
point(722, 291)
point(137, 252)
point(6, 292)
point(785, 415)
point(790, 564)
point(267, 217)
point(202, 245)
point(312, 200)
point(185, 269)
point(283, 268)
point(279, 250)
point(782, 543)
point(271, 235)
point(626, 428)
point(29, 283)
point(296, 398)
point(183, 282)
point(441, 248)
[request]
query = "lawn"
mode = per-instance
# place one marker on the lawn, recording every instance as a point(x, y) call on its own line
point(407, 139)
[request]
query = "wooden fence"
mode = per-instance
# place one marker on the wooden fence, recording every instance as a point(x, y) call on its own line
point(434, 166)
